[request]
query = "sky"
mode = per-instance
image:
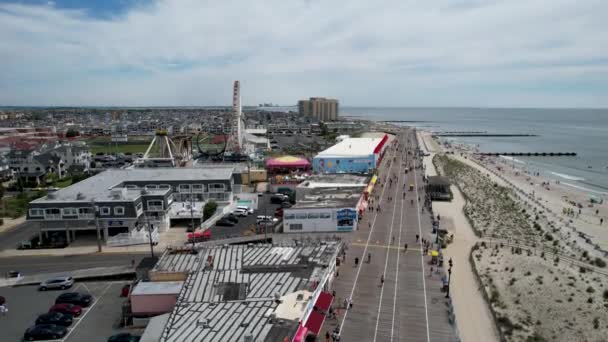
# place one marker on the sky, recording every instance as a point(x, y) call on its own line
point(412, 53)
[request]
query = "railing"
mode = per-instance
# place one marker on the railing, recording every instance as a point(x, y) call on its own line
point(155, 208)
point(129, 239)
point(52, 216)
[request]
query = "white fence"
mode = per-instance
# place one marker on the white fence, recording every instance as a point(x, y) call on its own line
point(134, 238)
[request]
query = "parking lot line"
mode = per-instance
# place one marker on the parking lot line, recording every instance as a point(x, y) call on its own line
point(97, 298)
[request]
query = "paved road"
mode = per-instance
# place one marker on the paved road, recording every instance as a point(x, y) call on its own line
point(29, 265)
point(11, 238)
point(407, 306)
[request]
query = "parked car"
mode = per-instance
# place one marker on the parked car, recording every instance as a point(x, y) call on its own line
point(124, 337)
point(68, 309)
point(278, 212)
point(240, 212)
point(62, 283)
point(247, 209)
point(76, 298)
point(56, 318)
point(45, 332)
point(224, 223)
point(199, 236)
point(231, 217)
point(286, 204)
point(263, 218)
point(278, 198)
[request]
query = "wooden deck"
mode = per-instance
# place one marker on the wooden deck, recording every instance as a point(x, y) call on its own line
point(409, 306)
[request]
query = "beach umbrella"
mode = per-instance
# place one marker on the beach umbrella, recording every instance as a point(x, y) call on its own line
point(434, 253)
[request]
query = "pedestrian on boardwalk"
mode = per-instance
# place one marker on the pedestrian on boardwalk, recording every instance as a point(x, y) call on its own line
point(3, 309)
point(382, 279)
point(345, 303)
point(417, 237)
point(431, 273)
point(393, 240)
point(405, 248)
point(369, 258)
point(356, 261)
point(327, 336)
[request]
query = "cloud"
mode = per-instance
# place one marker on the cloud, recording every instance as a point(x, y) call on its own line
point(387, 52)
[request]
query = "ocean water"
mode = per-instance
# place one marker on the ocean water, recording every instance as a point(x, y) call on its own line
point(584, 131)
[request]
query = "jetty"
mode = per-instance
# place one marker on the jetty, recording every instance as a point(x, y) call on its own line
point(475, 134)
point(527, 154)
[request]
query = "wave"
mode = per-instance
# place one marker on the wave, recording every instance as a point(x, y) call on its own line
point(568, 177)
point(513, 159)
point(585, 189)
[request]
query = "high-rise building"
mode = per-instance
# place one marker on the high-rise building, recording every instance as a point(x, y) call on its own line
point(319, 108)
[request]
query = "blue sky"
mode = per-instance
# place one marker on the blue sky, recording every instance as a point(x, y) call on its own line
point(493, 53)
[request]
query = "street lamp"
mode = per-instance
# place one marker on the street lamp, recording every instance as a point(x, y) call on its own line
point(95, 210)
point(447, 295)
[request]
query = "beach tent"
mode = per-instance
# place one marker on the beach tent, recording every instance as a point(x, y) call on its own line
point(288, 163)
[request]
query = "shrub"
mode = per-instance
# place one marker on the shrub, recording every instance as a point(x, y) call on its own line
point(590, 289)
point(599, 262)
point(548, 237)
point(590, 300)
point(209, 209)
point(596, 323)
point(606, 294)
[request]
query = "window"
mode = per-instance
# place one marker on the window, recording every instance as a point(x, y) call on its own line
point(217, 187)
point(119, 210)
point(70, 212)
point(313, 215)
point(289, 217)
point(155, 205)
point(139, 207)
point(105, 210)
point(301, 216)
point(170, 199)
point(36, 212)
point(151, 187)
point(132, 187)
point(197, 188)
point(164, 186)
point(85, 211)
point(295, 226)
point(325, 215)
point(52, 212)
point(184, 188)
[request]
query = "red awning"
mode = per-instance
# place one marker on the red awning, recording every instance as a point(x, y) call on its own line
point(324, 301)
point(315, 321)
point(300, 335)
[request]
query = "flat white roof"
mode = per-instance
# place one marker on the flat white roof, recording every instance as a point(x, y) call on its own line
point(157, 288)
point(351, 147)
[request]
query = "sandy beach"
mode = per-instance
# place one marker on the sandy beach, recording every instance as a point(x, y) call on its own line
point(509, 206)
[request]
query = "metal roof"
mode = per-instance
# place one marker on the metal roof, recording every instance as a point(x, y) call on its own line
point(100, 186)
point(237, 296)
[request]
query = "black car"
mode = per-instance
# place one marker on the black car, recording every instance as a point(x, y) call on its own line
point(278, 198)
point(75, 298)
point(232, 218)
point(224, 223)
point(56, 318)
point(286, 204)
point(124, 337)
point(44, 332)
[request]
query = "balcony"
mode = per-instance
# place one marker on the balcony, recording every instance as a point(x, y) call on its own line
point(52, 216)
point(155, 208)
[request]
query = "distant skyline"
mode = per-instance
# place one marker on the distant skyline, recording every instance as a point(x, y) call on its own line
point(389, 53)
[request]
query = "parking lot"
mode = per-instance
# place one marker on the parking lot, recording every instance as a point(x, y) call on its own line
point(95, 324)
point(245, 223)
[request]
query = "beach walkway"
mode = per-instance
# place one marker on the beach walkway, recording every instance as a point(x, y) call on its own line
point(409, 304)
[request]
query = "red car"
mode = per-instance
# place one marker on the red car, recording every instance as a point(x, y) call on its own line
point(199, 236)
point(278, 212)
point(66, 308)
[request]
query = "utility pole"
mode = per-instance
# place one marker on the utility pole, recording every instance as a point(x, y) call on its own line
point(96, 218)
point(150, 227)
point(192, 217)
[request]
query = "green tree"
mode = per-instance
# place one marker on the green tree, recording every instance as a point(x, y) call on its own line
point(209, 210)
point(71, 133)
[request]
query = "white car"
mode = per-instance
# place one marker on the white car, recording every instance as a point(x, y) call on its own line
point(247, 209)
point(263, 218)
point(240, 212)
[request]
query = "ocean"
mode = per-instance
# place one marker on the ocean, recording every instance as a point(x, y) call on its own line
point(584, 131)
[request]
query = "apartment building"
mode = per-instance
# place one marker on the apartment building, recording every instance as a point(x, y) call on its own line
point(320, 108)
point(122, 201)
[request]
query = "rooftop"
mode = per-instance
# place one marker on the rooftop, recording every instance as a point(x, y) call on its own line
point(99, 187)
point(159, 287)
point(330, 200)
point(334, 180)
point(238, 294)
point(351, 147)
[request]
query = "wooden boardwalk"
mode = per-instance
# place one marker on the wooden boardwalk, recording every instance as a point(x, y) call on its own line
point(409, 306)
